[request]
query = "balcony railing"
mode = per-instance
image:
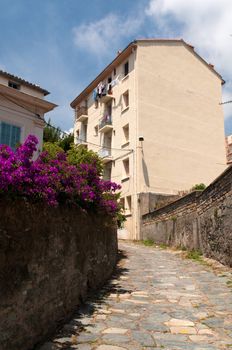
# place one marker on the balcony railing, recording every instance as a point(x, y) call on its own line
point(81, 114)
point(105, 124)
point(81, 141)
point(105, 154)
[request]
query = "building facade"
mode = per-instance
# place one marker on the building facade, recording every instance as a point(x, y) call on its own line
point(22, 109)
point(154, 116)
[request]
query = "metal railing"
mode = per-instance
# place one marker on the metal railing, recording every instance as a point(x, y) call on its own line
point(81, 140)
point(81, 111)
point(104, 152)
point(106, 120)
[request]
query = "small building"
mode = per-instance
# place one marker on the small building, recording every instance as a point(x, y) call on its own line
point(154, 116)
point(22, 109)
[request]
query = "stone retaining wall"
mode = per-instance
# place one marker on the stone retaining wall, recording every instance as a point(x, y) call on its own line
point(200, 220)
point(49, 258)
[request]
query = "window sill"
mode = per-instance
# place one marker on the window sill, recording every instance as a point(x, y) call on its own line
point(128, 215)
point(125, 144)
point(125, 179)
point(125, 109)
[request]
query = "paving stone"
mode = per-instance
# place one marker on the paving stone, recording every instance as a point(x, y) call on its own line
point(116, 338)
point(86, 338)
point(159, 302)
point(63, 340)
point(183, 330)
point(143, 339)
point(109, 347)
point(115, 331)
point(201, 339)
point(176, 322)
point(82, 347)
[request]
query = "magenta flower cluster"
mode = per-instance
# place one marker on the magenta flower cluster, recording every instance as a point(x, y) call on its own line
point(53, 181)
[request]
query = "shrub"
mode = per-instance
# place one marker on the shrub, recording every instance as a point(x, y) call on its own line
point(79, 155)
point(54, 180)
point(53, 149)
point(199, 187)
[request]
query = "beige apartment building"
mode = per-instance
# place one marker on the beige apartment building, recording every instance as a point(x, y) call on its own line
point(22, 109)
point(154, 116)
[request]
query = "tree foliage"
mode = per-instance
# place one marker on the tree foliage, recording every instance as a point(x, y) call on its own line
point(80, 155)
point(53, 149)
point(51, 134)
point(66, 142)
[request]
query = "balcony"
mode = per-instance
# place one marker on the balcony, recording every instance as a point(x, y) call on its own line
point(81, 141)
point(105, 124)
point(105, 154)
point(106, 98)
point(81, 114)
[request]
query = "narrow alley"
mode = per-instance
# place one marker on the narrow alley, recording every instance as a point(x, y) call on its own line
point(156, 300)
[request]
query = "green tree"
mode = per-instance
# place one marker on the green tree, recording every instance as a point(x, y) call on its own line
point(52, 148)
point(80, 155)
point(66, 142)
point(51, 133)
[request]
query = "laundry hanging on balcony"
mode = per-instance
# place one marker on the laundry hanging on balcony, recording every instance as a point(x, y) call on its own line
point(115, 81)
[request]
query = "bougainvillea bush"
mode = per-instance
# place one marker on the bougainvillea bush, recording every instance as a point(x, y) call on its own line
point(54, 181)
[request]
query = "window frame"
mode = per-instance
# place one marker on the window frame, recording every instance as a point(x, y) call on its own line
point(11, 134)
point(126, 69)
point(12, 84)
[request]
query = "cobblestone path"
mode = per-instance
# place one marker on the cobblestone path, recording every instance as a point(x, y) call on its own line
point(156, 301)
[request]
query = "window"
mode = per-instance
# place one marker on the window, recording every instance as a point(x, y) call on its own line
point(107, 172)
point(96, 130)
point(128, 204)
point(78, 136)
point(14, 85)
point(126, 168)
point(108, 108)
point(126, 68)
point(83, 132)
point(126, 132)
point(125, 100)
point(125, 204)
point(9, 134)
point(122, 203)
point(114, 71)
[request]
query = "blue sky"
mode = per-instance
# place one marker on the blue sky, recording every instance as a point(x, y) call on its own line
point(63, 44)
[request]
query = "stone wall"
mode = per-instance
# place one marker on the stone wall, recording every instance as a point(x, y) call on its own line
point(49, 258)
point(150, 201)
point(200, 220)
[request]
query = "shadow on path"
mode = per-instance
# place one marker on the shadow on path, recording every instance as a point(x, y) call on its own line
point(68, 329)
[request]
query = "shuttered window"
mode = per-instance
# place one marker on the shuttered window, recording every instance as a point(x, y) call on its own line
point(9, 134)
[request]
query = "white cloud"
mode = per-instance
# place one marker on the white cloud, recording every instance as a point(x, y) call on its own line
point(69, 131)
point(207, 25)
point(97, 37)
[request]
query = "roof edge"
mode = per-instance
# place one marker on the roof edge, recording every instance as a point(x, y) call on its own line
point(25, 82)
point(120, 57)
point(126, 53)
point(189, 46)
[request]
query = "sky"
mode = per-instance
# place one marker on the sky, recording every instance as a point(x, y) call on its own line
point(62, 45)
